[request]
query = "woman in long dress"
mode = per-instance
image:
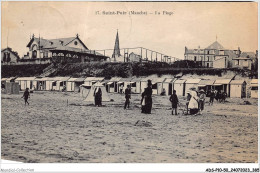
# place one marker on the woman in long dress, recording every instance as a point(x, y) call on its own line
point(147, 98)
point(99, 97)
point(194, 102)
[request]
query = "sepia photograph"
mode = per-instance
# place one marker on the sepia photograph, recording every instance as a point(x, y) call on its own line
point(129, 82)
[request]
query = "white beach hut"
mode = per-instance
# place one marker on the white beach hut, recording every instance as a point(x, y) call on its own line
point(206, 85)
point(123, 82)
point(77, 83)
point(71, 84)
point(112, 84)
point(179, 86)
point(26, 82)
point(167, 85)
point(254, 88)
point(190, 83)
point(89, 81)
point(136, 85)
point(238, 88)
point(144, 83)
point(223, 84)
point(157, 85)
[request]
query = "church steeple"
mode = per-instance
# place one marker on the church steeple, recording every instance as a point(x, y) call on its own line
point(116, 52)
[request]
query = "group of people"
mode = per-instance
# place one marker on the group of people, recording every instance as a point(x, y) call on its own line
point(194, 104)
point(218, 95)
point(195, 100)
point(146, 100)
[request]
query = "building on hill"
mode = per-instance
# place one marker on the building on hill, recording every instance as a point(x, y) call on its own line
point(215, 55)
point(61, 49)
point(133, 57)
point(8, 56)
point(242, 62)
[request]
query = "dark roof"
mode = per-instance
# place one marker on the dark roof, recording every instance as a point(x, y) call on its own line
point(250, 54)
point(11, 51)
point(215, 45)
point(190, 51)
point(54, 43)
point(230, 53)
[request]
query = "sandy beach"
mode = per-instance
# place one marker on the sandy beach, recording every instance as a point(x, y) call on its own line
point(61, 127)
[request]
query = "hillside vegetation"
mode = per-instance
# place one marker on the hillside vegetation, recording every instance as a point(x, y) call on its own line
point(109, 70)
point(22, 70)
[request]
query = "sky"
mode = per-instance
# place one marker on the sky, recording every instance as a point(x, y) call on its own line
point(192, 24)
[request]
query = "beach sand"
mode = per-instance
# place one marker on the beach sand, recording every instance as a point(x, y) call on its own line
point(61, 127)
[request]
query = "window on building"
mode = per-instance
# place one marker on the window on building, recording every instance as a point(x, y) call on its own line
point(45, 54)
point(75, 42)
point(8, 59)
point(195, 58)
point(4, 58)
point(254, 88)
point(34, 54)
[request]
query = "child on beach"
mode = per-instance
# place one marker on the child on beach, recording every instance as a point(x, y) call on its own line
point(26, 95)
point(175, 101)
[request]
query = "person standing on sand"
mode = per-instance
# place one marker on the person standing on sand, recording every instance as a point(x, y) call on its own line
point(99, 97)
point(147, 97)
point(187, 102)
point(26, 95)
point(127, 96)
point(211, 97)
point(202, 97)
point(174, 100)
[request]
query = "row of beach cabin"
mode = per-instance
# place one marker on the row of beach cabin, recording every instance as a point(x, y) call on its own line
point(233, 88)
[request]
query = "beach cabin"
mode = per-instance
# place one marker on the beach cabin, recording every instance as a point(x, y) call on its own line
point(40, 83)
point(136, 85)
point(10, 79)
point(50, 83)
point(167, 85)
point(26, 82)
point(61, 82)
point(112, 85)
point(77, 83)
point(144, 82)
point(179, 86)
point(254, 88)
point(222, 85)
point(206, 85)
point(190, 83)
point(12, 87)
point(238, 88)
point(89, 81)
point(157, 85)
point(122, 84)
point(70, 86)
